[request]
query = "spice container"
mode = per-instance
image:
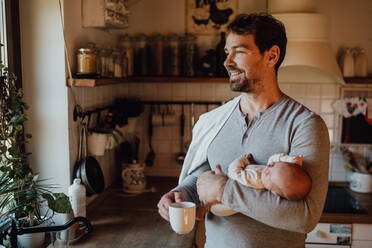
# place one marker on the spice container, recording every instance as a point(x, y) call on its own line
point(126, 45)
point(86, 61)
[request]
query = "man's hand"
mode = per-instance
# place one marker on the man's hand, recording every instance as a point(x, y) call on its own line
point(210, 186)
point(166, 200)
point(200, 212)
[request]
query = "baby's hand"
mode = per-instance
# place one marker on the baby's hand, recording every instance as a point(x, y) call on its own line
point(239, 164)
point(249, 158)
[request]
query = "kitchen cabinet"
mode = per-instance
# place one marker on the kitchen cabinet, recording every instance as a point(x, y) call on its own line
point(105, 14)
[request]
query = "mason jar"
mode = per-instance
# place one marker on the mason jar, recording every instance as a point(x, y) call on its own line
point(86, 61)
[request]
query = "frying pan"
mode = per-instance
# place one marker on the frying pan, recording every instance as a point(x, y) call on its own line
point(87, 168)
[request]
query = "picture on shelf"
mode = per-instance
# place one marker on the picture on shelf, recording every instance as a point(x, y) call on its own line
point(209, 17)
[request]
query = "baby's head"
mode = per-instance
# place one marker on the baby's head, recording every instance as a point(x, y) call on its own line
point(287, 180)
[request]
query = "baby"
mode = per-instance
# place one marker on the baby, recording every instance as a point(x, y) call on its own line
point(283, 176)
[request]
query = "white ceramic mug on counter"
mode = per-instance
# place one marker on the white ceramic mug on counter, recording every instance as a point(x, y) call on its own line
point(182, 216)
point(361, 182)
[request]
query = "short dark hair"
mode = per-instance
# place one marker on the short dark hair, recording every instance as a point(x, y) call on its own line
point(267, 32)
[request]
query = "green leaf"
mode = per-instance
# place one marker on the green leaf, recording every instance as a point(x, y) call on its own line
point(58, 202)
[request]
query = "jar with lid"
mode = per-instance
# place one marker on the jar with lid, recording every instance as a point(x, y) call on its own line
point(86, 61)
point(174, 55)
point(118, 63)
point(190, 50)
point(127, 48)
point(140, 59)
point(360, 67)
point(348, 63)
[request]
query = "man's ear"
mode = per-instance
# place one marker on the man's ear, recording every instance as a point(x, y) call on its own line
point(273, 56)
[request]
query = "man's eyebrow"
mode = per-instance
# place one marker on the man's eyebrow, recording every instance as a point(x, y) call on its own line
point(238, 46)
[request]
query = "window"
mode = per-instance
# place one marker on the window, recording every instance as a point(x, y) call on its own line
point(10, 37)
point(3, 39)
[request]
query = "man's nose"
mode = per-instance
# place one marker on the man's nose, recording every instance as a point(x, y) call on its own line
point(229, 61)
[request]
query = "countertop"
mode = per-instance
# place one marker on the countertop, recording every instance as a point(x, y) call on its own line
point(364, 199)
point(121, 219)
point(125, 220)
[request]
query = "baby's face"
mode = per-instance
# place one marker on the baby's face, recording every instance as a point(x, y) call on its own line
point(271, 177)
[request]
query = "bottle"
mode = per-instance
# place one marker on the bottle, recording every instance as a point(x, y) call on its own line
point(221, 57)
point(360, 67)
point(77, 196)
point(348, 63)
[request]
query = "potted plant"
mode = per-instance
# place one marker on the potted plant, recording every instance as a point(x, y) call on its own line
point(22, 193)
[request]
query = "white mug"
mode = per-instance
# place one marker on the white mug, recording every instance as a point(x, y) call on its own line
point(182, 216)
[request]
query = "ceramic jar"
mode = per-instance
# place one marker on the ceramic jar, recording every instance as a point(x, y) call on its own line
point(134, 178)
point(360, 182)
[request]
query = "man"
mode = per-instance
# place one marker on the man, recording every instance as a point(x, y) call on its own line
point(261, 121)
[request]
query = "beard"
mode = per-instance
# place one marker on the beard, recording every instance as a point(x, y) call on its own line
point(243, 84)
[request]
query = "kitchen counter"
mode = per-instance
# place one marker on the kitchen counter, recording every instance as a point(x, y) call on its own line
point(133, 221)
point(124, 220)
point(364, 199)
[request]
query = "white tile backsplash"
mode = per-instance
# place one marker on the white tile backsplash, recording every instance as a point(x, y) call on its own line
point(166, 140)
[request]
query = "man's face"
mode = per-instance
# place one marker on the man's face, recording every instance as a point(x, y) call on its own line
point(244, 63)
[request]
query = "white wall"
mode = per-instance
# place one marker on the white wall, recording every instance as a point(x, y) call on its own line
point(350, 24)
point(43, 68)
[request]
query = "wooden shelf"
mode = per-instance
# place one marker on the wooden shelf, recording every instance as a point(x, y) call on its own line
point(79, 82)
point(358, 80)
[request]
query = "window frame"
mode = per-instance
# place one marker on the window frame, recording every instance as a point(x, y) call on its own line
point(13, 39)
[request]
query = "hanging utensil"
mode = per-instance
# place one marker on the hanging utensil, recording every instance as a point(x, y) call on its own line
point(151, 155)
point(181, 155)
point(89, 170)
point(192, 118)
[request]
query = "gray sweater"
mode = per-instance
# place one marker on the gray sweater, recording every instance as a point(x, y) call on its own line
point(266, 220)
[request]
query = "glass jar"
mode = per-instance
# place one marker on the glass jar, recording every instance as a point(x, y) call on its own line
point(157, 55)
point(141, 56)
point(189, 61)
point(174, 55)
point(110, 64)
point(118, 63)
point(86, 61)
point(103, 57)
point(127, 48)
